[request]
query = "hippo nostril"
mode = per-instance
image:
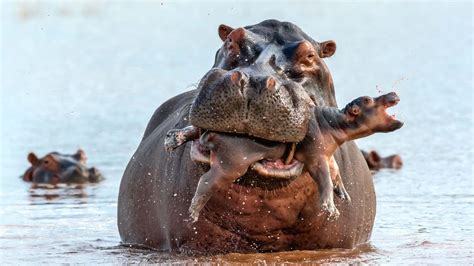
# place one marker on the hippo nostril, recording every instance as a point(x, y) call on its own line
point(238, 79)
point(235, 77)
point(270, 83)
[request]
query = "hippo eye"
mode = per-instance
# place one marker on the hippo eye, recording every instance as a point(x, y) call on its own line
point(368, 100)
point(46, 162)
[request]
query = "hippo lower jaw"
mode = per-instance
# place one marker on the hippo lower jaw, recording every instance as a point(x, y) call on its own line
point(278, 169)
point(269, 168)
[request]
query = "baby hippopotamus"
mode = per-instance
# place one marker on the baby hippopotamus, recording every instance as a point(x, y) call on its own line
point(56, 168)
point(231, 155)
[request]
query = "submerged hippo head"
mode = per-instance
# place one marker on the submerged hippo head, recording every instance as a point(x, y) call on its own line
point(56, 168)
point(376, 162)
point(265, 79)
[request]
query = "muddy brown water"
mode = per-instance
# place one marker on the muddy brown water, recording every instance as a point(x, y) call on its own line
point(90, 76)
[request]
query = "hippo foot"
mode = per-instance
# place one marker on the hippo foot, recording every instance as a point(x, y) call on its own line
point(330, 209)
point(193, 215)
point(196, 206)
point(342, 193)
point(174, 138)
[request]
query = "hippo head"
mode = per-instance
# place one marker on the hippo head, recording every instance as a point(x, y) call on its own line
point(368, 115)
point(56, 168)
point(376, 162)
point(264, 81)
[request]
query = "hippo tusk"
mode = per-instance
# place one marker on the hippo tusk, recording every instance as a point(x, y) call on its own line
point(291, 154)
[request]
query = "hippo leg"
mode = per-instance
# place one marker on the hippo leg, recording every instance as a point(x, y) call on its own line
point(177, 137)
point(217, 178)
point(210, 182)
point(339, 188)
point(320, 172)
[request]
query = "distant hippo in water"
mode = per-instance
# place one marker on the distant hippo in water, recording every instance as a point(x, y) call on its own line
point(377, 162)
point(231, 156)
point(56, 168)
point(282, 74)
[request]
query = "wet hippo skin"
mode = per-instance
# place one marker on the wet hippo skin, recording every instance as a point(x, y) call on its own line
point(254, 214)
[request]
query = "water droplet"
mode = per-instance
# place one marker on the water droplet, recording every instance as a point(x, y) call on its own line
point(174, 195)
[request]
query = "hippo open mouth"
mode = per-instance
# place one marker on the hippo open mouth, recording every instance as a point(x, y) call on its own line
point(388, 101)
point(284, 168)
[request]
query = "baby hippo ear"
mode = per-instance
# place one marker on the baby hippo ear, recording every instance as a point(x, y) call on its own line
point(353, 110)
point(32, 158)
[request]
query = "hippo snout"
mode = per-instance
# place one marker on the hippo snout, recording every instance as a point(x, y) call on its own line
point(389, 99)
point(255, 103)
point(95, 175)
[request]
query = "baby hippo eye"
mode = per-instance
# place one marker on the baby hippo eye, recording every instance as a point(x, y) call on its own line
point(368, 101)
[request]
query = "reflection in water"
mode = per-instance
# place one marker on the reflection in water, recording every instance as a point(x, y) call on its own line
point(76, 78)
point(48, 192)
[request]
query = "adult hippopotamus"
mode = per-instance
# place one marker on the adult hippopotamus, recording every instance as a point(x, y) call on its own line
point(56, 168)
point(280, 67)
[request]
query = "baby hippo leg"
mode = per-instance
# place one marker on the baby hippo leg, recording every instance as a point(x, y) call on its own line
point(339, 188)
point(230, 159)
point(177, 137)
point(319, 170)
point(213, 180)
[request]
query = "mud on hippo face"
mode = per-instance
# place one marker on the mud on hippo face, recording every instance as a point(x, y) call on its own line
point(264, 83)
point(56, 168)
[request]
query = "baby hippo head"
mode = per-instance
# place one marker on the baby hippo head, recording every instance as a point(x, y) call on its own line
point(368, 115)
point(56, 168)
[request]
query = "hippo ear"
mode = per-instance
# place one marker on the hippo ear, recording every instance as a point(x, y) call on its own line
point(224, 31)
point(32, 158)
point(80, 156)
point(353, 111)
point(327, 48)
point(373, 158)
